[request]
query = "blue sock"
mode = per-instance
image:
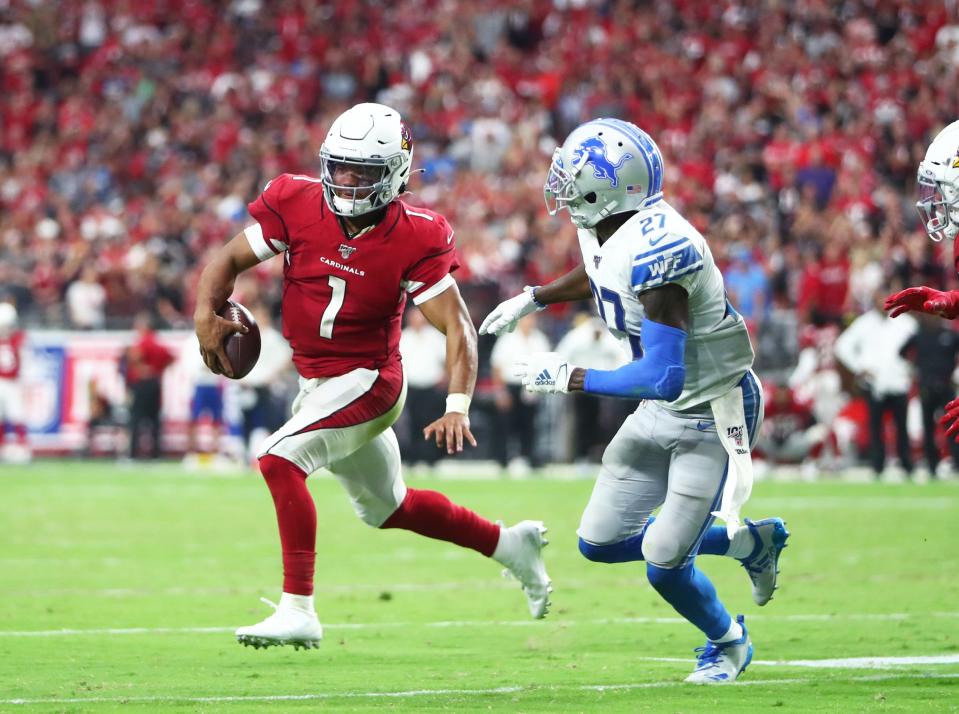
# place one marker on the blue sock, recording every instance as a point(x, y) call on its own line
point(693, 596)
point(625, 551)
point(715, 542)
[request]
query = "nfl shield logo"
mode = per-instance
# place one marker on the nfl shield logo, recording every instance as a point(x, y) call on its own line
point(346, 251)
point(736, 434)
point(597, 259)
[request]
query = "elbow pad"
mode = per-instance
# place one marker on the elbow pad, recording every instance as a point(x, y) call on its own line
point(659, 374)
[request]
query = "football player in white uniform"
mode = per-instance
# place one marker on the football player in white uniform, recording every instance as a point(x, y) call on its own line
point(686, 448)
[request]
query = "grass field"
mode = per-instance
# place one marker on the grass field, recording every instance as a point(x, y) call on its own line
point(121, 586)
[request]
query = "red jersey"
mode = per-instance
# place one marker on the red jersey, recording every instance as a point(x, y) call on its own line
point(147, 358)
point(784, 417)
point(823, 340)
point(10, 346)
point(343, 298)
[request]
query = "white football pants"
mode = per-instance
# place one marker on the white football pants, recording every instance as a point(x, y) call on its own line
point(670, 459)
point(364, 457)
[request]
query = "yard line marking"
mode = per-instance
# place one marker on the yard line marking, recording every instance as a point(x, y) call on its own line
point(70, 632)
point(867, 662)
point(411, 693)
point(844, 663)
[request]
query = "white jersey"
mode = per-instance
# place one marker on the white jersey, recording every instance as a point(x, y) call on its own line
point(656, 247)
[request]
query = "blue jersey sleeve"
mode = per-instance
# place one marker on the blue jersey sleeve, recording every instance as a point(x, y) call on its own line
point(669, 262)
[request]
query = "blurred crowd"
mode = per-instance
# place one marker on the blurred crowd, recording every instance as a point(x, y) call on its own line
point(134, 132)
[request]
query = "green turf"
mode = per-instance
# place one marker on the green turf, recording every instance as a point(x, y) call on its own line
point(86, 546)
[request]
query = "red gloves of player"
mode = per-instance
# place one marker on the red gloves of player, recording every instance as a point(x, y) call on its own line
point(950, 420)
point(923, 299)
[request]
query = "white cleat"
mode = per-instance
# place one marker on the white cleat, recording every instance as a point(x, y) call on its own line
point(762, 565)
point(520, 549)
point(288, 625)
point(722, 664)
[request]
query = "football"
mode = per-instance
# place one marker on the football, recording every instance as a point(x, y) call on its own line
point(242, 350)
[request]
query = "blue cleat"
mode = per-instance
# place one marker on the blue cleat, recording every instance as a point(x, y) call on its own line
point(722, 663)
point(762, 565)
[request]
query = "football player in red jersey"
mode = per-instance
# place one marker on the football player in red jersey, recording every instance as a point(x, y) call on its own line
point(353, 253)
point(11, 356)
point(939, 208)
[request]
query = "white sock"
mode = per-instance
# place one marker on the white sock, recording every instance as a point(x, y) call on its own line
point(300, 602)
point(742, 543)
point(503, 546)
point(734, 632)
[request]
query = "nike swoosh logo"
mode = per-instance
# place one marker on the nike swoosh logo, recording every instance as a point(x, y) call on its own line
point(450, 238)
point(654, 241)
point(704, 425)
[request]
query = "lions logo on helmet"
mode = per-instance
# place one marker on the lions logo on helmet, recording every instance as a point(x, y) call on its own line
point(594, 149)
point(626, 175)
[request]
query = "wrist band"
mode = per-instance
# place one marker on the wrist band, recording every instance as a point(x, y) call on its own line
point(532, 296)
point(458, 402)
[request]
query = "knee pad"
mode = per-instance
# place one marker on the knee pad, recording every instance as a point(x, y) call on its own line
point(624, 551)
point(657, 550)
point(372, 510)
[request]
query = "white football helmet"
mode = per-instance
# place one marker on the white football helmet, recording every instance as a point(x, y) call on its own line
point(366, 159)
point(8, 318)
point(939, 185)
point(605, 167)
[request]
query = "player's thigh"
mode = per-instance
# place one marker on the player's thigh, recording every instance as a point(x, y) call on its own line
point(372, 476)
point(697, 474)
point(335, 418)
point(631, 481)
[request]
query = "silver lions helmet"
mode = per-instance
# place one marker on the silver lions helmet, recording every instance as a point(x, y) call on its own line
point(605, 167)
point(938, 178)
point(366, 159)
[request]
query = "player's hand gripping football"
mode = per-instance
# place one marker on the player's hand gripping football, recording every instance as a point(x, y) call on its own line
point(544, 372)
point(450, 430)
point(950, 420)
point(212, 331)
point(923, 299)
point(505, 315)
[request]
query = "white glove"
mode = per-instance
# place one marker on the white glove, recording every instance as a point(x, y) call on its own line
point(505, 316)
point(544, 372)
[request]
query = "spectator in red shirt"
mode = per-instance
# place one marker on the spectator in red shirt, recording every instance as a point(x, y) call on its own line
point(143, 365)
point(824, 285)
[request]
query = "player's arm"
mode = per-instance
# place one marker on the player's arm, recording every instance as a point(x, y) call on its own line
point(661, 372)
point(214, 289)
point(923, 299)
point(570, 287)
point(447, 312)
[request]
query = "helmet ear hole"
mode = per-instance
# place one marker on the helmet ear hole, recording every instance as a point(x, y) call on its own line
point(590, 197)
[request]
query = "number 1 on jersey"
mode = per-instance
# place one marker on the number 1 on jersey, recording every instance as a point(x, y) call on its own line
point(336, 302)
